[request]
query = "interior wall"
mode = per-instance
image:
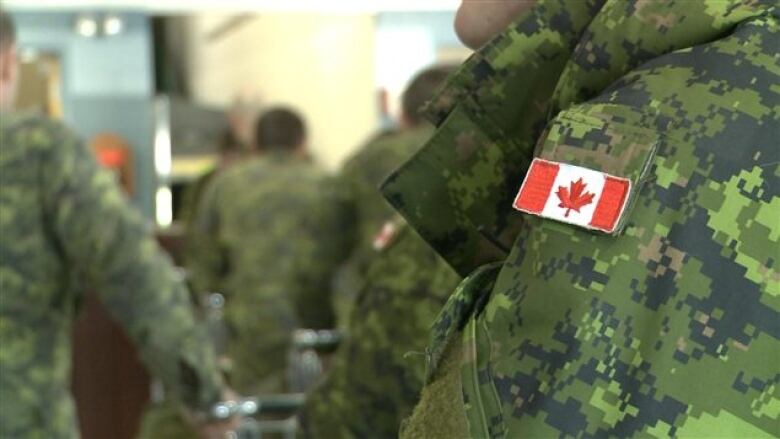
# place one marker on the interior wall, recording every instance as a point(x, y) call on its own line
point(99, 73)
point(322, 65)
point(408, 42)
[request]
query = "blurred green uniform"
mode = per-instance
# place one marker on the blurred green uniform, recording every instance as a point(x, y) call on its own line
point(64, 222)
point(363, 211)
point(378, 371)
point(670, 325)
point(192, 196)
point(264, 237)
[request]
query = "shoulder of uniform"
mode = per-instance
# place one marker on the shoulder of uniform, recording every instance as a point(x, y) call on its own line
point(35, 132)
point(371, 152)
point(240, 172)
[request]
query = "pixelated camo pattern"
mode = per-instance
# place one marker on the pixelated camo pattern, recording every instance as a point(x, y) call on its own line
point(671, 327)
point(63, 222)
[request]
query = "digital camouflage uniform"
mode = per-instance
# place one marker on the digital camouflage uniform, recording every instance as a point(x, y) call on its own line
point(63, 222)
point(263, 237)
point(377, 373)
point(668, 327)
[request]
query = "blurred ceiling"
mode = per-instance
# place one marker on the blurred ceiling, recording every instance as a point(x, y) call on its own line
point(259, 6)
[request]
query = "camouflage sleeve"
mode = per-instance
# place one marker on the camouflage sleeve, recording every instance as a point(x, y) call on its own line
point(109, 245)
point(699, 255)
point(204, 260)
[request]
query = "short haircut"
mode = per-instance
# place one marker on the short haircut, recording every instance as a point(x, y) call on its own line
point(421, 90)
point(7, 30)
point(280, 129)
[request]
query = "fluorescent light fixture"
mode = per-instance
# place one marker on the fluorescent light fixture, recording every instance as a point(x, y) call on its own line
point(163, 160)
point(164, 206)
point(113, 25)
point(86, 26)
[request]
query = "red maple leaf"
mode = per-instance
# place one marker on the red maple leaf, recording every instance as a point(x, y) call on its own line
point(575, 197)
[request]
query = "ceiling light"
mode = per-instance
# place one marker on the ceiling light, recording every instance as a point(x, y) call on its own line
point(86, 26)
point(113, 25)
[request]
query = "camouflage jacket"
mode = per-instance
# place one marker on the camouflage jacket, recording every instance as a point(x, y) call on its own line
point(64, 222)
point(363, 211)
point(668, 327)
point(378, 370)
point(265, 236)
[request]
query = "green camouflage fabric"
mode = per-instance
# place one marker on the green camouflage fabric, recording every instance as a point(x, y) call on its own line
point(264, 236)
point(64, 223)
point(670, 326)
point(163, 420)
point(363, 211)
point(192, 196)
point(377, 373)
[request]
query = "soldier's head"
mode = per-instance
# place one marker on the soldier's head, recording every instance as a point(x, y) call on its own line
point(280, 129)
point(478, 21)
point(419, 91)
point(9, 64)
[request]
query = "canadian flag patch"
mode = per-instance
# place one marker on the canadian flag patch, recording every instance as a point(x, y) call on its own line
point(385, 235)
point(573, 194)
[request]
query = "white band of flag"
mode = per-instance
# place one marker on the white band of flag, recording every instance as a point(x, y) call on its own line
point(574, 195)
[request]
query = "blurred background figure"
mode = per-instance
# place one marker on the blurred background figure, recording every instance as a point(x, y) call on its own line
point(378, 371)
point(156, 85)
point(230, 150)
point(365, 214)
point(262, 236)
point(66, 226)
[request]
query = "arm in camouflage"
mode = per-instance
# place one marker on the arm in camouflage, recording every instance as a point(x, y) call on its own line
point(671, 327)
point(109, 244)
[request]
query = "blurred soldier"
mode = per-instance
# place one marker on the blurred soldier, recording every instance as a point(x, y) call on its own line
point(162, 420)
point(378, 372)
point(262, 239)
point(63, 221)
point(229, 151)
point(364, 213)
point(606, 173)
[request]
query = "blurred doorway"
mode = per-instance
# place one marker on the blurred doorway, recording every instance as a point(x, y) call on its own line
point(39, 84)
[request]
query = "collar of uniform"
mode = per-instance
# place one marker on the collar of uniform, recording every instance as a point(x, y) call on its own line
point(541, 38)
point(12, 118)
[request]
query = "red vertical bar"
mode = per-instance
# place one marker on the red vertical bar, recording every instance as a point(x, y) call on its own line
point(611, 203)
point(536, 188)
